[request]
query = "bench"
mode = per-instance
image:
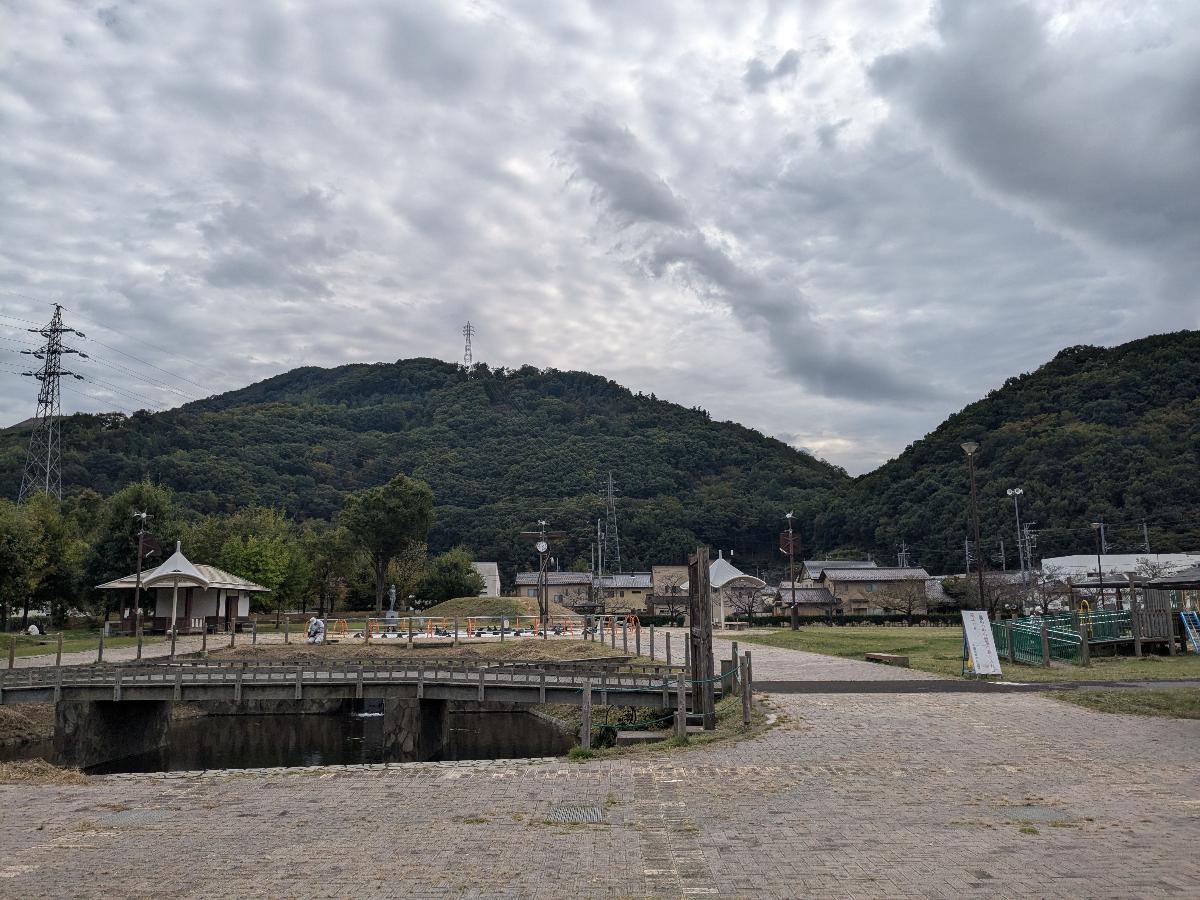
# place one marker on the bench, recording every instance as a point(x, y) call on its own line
point(888, 659)
point(735, 626)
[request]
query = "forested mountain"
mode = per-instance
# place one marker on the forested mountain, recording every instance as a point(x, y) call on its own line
point(500, 448)
point(1095, 434)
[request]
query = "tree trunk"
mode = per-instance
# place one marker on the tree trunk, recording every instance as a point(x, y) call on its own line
point(380, 579)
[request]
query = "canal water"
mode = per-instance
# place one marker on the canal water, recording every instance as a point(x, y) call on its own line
point(261, 741)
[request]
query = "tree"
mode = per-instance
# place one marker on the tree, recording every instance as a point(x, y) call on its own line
point(386, 520)
point(448, 576)
point(21, 558)
point(907, 597)
point(746, 600)
point(63, 552)
point(261, 544)
point(331, 553)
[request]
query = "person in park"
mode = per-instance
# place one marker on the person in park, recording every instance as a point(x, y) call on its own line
point(316, 631)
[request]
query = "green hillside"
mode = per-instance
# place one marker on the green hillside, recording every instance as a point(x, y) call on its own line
point(501, 449)
point(1096, 434)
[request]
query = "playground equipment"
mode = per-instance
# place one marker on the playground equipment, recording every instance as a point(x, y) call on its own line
point(431, 627)
point(1191, 627)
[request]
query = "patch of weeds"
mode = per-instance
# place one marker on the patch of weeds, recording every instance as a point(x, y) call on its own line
point(1028, 829)
point(475, 820)
point(578, 754)
point(611, 800)
point(677, 741)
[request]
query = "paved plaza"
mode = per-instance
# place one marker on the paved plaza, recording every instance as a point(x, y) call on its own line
point(900, 795)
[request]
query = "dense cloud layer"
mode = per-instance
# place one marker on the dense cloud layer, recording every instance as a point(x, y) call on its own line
point(834, 222)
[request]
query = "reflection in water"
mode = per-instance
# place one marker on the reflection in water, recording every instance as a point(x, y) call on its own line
point(242, 742)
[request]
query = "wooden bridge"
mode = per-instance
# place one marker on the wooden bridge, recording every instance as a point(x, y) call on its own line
point(640, 686)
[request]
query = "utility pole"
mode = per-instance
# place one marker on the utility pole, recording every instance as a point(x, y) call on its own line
point(468, 358)
point(141, 553)
point(1098, 527)
point(1145, 537)
point(1016, 493)
point(902, 555)
point(43, 466)
point(1103, 539)
point(971, 448)
point(967, 554)
point(1003, 557)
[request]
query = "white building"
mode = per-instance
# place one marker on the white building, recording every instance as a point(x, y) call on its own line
point(490, 573)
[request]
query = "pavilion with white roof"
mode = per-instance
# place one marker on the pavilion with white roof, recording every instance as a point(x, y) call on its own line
point(196, 597)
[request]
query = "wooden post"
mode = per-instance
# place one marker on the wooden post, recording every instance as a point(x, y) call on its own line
point(233, 635)
point(733, 657)
point(687, 653)
point(455, 631)
point(749, 675)
point(139, 639)
point(1134, 622)
point(728, 680)
point(287, 630)
point(744, 676)
point(367, 631)
point(625, 635)
point(502, 629)
point(668, 637)
point(1008, 633)
point(12, 650)
point(637, 639)
point(410, 632)
point(681, 708)
point(254, 630)
point(700, 603)
point(652, 642)
point(1045, 646)
point(204, 641)
point(100, 648)
point(585, 727)
point(58, 651)
point(1085, 652)
point(613, 631)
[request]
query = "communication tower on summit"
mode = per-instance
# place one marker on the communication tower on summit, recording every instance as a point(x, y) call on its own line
point(43, 467)
point(468, 332)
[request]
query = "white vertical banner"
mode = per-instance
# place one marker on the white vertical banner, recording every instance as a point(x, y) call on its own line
point(980, 642)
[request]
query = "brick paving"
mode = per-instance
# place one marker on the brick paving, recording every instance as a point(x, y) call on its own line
point(910, 795)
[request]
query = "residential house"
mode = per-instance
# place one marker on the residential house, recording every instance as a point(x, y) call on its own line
point(811, 600)
point(572, 589)
point(871, 590)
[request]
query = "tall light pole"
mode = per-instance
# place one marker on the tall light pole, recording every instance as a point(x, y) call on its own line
point(1016, 493)
point(791, 552)
point(1098, 527)
point(970, 448)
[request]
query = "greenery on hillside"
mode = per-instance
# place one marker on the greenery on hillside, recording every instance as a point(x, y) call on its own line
point(500, 450)
point(1096, 434)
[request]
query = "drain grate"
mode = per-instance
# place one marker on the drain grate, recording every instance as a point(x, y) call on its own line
point(136, 817)
point(577, 815)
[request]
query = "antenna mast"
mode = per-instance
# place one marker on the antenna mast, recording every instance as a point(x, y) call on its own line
point(43, 467)
point(468, 331)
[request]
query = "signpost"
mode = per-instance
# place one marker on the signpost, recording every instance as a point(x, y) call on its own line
point(979, 645)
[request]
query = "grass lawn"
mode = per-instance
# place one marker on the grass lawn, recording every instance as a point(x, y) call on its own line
point(1171, 703)
point(939, 650)
point(73, 641)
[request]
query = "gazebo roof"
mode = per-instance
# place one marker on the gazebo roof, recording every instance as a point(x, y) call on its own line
point(179, 569)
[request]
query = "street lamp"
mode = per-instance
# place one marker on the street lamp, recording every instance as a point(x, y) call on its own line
point(1015, 493)
point(1096, 526)
point(970, 448)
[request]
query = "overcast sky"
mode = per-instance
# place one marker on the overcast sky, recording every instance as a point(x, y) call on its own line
point(836, 222)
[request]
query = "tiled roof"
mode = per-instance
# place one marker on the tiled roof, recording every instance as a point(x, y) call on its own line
point(811, 595)
point(216, 578)
point(889, 573)
point(814, 567)
point(627, 580)
point(530, 579)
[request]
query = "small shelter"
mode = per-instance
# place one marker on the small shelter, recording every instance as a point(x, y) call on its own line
point(194, 597)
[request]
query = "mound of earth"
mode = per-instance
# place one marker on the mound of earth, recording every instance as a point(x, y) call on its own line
point(462, 607)
point(527, 649)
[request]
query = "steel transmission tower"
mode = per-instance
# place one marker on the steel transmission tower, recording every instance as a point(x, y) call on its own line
point(468, 332)
point(43, 469)
point(612, 537)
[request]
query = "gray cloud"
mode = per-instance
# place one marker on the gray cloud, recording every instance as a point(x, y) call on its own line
point(840, 242)
point(759, 75)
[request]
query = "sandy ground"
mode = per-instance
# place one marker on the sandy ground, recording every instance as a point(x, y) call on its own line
point(524, 649)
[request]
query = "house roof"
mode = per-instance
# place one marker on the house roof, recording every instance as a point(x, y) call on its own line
point(817, 596)
point(1189, 578)
point(814, 567)
point(209, 577)
point(555, 578)
point(622, 580)
point(877, 573)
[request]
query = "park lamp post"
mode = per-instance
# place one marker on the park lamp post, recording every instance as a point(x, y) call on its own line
point(971, 448)
point(1100, 563)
